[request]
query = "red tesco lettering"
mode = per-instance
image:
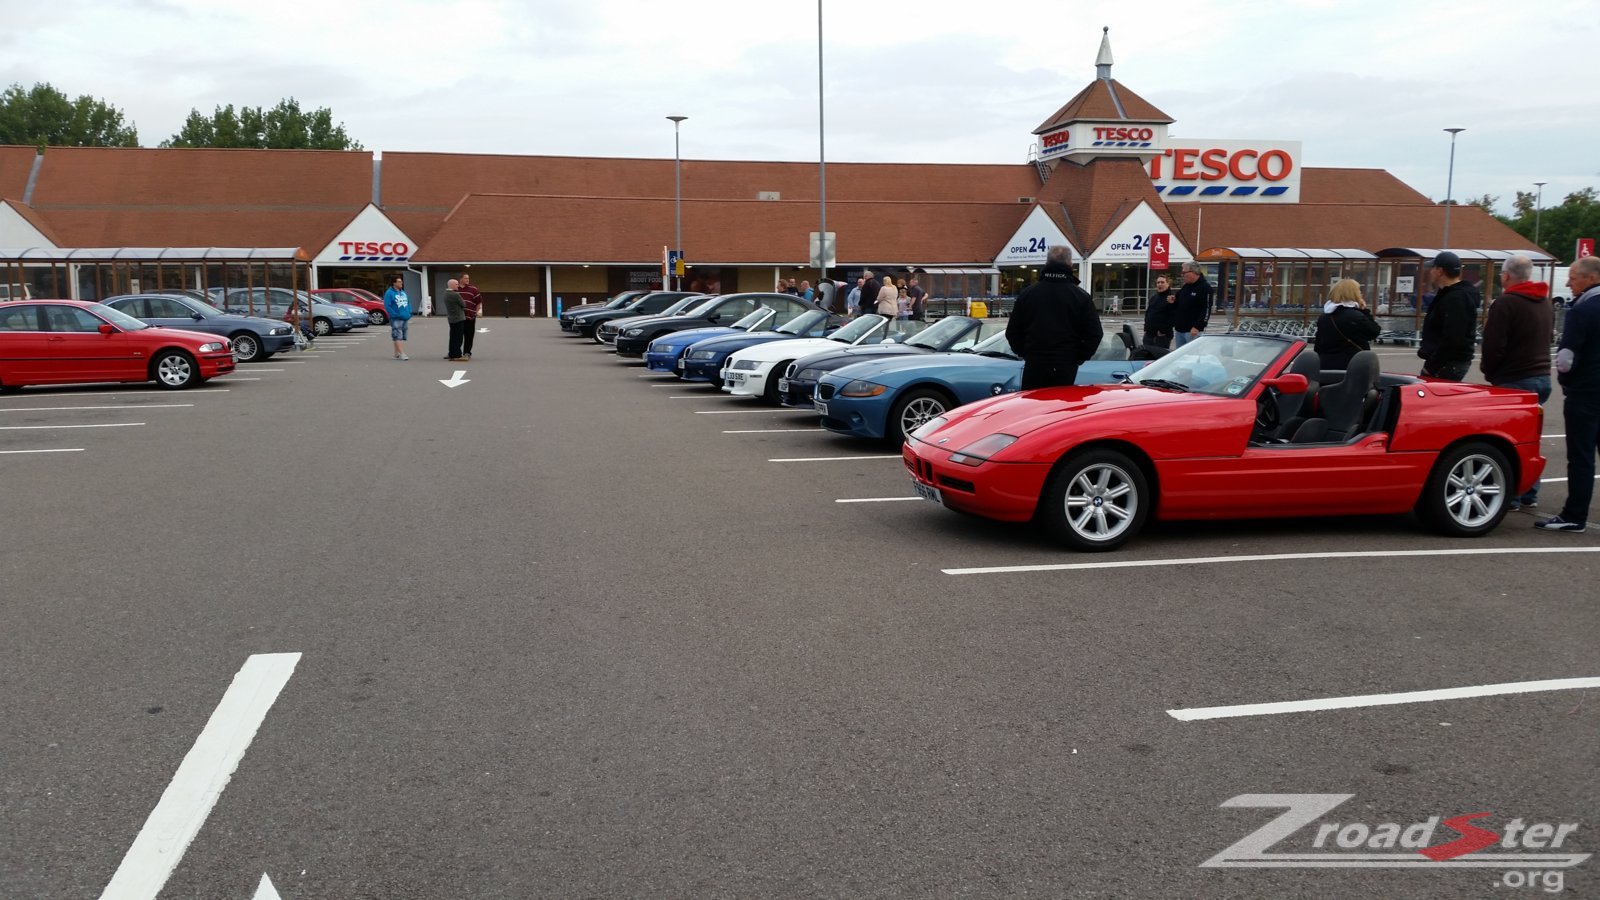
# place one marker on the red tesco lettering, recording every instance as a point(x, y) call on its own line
point(371, 248)
point(1216, 164)
point(1055, 139)
point(1110, 133)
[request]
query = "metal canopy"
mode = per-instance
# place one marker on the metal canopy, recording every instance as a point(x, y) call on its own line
point(1494, 255)
point(154, 254)
point(1289, 253)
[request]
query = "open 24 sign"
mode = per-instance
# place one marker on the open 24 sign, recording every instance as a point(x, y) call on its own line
point(1034, 246)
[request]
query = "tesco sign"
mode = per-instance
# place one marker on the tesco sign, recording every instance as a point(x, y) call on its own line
point(1228, 171)
point(1055, 142)
point(384, 250)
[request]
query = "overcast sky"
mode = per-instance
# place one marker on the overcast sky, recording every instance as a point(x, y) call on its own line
point(1361, 83)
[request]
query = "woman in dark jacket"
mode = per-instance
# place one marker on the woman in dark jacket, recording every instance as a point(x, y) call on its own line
point(1345, 327)
point(1159, 315)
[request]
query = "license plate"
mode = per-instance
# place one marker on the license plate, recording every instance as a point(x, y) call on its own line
point(736, 378)
point(928, 492)
point(822, 408)
point(783, 385)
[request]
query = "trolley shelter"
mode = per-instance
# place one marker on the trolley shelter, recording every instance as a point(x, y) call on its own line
point(98, 273)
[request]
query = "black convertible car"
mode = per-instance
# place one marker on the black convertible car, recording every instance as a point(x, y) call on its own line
point(571, 313)
point(588, 323)
point(950, 333)
point(634, 335)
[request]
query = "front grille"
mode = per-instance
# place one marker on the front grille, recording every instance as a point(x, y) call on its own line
point(825, 391)
point(958, 484)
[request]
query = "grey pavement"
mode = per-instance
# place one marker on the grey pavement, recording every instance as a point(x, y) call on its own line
point(563, 637)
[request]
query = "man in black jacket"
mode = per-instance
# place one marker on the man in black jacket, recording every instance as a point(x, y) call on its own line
point(869, 294)
point(1193, 307)
point(1451, 326)
point(1054, 326)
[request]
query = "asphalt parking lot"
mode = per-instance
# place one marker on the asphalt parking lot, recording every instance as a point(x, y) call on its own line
point(569, 629)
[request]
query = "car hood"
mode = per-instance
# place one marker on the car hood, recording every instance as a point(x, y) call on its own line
point(694, 335)
point(1019, 414)
point(884, 370)
point(793, 348)
point(185, 333)
point(677, 323)
point(829, 360)
point(596, 311)
point(738, 341)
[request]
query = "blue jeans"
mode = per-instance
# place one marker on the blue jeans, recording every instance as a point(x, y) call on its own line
point(398, 328)
point(1183, 337)
point(1582, 412)
point(1538, 384)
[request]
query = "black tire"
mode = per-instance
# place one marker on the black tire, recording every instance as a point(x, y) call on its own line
point(912, 409)
point(9, 388)
point(321, 326)
point(1084, 488)
point(175, 370)
point(1468, 492)
point(769, 394)
point(377, 317)
point(246, 347)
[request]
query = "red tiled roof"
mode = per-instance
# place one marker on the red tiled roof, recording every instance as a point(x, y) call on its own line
point(1098, 196)
point(15, 164)
point(1098, 101)
point(522, 228)
point(1336, 226)
point(33, 218)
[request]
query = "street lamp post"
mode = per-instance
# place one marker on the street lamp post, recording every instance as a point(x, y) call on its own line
point(1538, 210)
point(1449, 186)
point(677, 194)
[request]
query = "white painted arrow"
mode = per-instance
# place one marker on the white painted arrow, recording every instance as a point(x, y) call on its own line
point(455, 380)
point(265, 890)
point(483, 331)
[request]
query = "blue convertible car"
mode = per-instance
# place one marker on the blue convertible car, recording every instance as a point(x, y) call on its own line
point(663, 353)
point(890, 397)
point(702, 360)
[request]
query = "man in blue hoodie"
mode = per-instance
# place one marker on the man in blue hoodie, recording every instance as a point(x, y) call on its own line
point(1578, 371)
point(398, 306)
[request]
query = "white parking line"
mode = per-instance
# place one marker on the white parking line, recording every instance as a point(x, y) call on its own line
point(201, 778)
point(259, 369)
point(62, 450)
point(877, 499)
point(120, 406)
point(830, 458)
point(730, 412)
point(1265, 557)
point(52, 427)
point(1293, 706)
point(233, 379)
point(776, 431)
point(693, 396)
point(60, 393)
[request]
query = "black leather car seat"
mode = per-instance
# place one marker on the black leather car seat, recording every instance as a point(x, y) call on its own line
point(1345, 405)
point(1295, 409)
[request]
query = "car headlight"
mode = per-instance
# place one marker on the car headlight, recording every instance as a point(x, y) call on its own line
point(747, 364)
point(929, 427)
point(212, 347)
point(859, 388)
point(807, 375)
point(978, 452)
point(341, 314)
point(633, 332)
point(703, 354)
point(284, 329)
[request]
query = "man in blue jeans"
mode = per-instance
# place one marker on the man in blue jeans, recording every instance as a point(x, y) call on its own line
point(1578, 370)
point(1516, 340)
point(398, 306)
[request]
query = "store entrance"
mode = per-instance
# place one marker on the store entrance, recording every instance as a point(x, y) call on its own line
point(1120, 288)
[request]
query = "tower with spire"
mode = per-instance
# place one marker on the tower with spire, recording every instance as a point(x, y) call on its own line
point(1103, 120)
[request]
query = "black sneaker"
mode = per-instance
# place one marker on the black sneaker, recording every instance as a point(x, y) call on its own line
point(1556, 523)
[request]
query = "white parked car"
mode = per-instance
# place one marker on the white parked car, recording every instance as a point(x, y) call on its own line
point(754, 371)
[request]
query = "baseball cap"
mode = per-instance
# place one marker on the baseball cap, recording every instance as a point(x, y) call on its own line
point(1447, 261)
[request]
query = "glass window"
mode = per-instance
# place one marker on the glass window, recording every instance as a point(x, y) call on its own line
point(164, 308)
point(18, 317)
point(69, 319)
point(138, 307)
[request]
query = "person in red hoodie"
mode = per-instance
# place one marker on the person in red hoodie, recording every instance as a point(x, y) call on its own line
point(1516, 340)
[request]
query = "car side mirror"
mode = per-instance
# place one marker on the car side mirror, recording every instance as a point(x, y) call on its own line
point(1293, 383)
point(107, 330)
point(196, 316)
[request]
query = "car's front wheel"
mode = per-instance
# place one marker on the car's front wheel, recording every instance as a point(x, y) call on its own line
point(1467, 492)
point(246, 347)
point(377, 317)
point(321, 325)
point(175, 370)
point(1096, 500)
point(912, 412)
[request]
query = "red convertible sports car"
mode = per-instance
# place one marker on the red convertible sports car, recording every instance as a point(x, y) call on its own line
point(75, 342)
point(1234, 426)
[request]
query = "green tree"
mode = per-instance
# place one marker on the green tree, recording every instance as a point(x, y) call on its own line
point(283, 127)
point(45, 117)
point(1559, 227)
point(1486, 202)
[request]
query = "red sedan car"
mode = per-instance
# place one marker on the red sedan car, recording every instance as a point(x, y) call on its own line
point(368, 301)
point(1234, 426)
point(74, 342)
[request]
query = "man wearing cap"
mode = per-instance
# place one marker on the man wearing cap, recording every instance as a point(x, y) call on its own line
point(1578, 370)
point(1054, 326)
point(1451, 326)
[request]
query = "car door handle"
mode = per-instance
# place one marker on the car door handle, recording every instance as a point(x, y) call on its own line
point(57, 339)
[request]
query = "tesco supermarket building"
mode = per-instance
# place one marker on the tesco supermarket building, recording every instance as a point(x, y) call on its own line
point(1105, 177)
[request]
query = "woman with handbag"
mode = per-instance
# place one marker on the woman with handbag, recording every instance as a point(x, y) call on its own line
point(1346, 326)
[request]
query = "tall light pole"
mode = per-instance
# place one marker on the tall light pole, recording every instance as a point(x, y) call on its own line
point(1449, 186)
point(1538, 209)
point(677, 193)
point(822, 163)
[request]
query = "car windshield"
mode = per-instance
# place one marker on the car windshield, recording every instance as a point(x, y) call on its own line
point(623, 299)
point(996, 345)
point(704, 307)
point(754, 320)
point(804, 323)
point(1223, 365)
point(858, 329)
point(678, 307)
point(118, 318)
point(942, 333)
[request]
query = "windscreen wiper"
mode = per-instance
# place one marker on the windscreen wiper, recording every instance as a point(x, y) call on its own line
point(1178, 386)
